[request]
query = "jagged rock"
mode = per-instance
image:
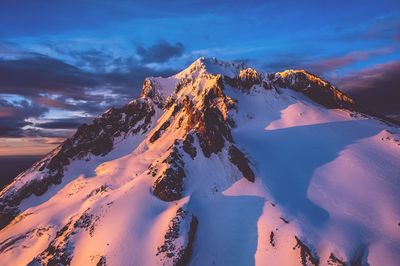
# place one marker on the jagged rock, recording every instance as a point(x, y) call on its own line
point(60, 251)
point(333, 260)
point(272, 238)
point(306, 254)
point(164, 126)
point(242, 163)
point(102, 261)
point(315, 88)
point(178, 240)
point(168, 185)
point(246, 79)
point(188, 146)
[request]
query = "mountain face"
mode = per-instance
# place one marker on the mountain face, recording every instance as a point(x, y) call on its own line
point(217, 165)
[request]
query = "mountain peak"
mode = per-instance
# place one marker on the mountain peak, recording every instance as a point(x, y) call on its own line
point(212, 66)
point(216, 153)
point(295, 74)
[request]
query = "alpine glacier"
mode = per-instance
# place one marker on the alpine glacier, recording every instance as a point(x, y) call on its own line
point(219, 164)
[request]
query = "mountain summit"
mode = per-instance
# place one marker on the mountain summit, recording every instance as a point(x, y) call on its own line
point(219, 164)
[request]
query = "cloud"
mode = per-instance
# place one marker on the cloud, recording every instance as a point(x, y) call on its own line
point(64, 123)
point(13, 117)
point(160, 52)
point(323, 66)
point(42, 74)
point(47, 83)
point(377, 88)
point(334, 63)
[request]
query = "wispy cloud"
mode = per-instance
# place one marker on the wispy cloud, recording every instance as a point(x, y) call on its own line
point(334, 63)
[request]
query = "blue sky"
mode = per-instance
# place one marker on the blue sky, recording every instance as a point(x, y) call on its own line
point(63, 62)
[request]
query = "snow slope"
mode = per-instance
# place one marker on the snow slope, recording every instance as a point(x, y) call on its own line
point(217, 165)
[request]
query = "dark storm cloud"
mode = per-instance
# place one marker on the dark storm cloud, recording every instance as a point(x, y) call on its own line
point(12, 117)
point(35, 75)
point(160, 52)
point(52, 83)
point(377, 88)
point(42, 74)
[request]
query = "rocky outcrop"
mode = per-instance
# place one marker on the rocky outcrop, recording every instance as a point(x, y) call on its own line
point(164, 126)
point(316, 89)
point(188, 146)
point(246, 79)
point(102, 261)
point(178, 239)
point(61, 249)
point(169, 184)
point(334, 261)
point(242, 163)
point(306, 255)
point(210, 120)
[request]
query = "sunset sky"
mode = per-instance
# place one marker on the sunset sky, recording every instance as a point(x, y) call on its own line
point(64, 62)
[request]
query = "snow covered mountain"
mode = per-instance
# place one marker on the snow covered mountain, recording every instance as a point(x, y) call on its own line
point(219, 164)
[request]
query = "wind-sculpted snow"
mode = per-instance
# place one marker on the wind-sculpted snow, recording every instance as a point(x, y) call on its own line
point(220, 164)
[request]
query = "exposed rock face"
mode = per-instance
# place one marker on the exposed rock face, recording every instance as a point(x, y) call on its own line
point(156, 135)
point(239, 159)
point(102, 261)
point(246, 79)
point(178, 240)
point(188, 146)
point(306, 255)
point(210, 120)
point(61, 249)
point(334, 261)
point(150, 90)
point(315, 88)
point(168, 185)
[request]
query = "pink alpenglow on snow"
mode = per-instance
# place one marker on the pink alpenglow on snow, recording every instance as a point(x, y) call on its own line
point(220, 164)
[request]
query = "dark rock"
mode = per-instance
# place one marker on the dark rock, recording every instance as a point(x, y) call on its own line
point(178, 255)
point(306, 254)
point(246, 79)
point(102, 261)
point(156, 135)
point(320, 91)
point(272, 238)
point(333, 260)
point(187, 252)
point(284, 220)
point(212, 131)
point(169, 184)
point(61, 249)
point(188, 146)
point(242, 163)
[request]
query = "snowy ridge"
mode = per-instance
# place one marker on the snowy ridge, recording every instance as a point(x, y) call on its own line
point(219, 164)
